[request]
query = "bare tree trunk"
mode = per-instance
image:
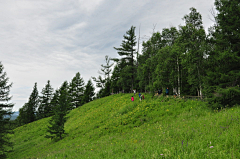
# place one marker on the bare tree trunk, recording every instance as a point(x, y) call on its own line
point(201, 91)
point(200, 85)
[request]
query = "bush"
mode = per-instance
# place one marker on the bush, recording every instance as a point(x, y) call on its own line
point(227, 97)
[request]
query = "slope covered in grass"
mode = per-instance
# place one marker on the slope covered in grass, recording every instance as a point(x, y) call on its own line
point(116, 127)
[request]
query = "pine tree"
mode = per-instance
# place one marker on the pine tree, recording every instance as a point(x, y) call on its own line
point(5, 112)
point(89, 92)
point(76, 91)
point(45, 109)
point(56, 124)
point(127, 51)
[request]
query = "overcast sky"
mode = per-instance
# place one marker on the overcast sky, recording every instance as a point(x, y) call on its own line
point(52, 40)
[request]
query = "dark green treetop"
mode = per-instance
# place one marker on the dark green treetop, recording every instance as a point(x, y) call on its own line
point(76, 91)
point(89, 92)
point(45, 109)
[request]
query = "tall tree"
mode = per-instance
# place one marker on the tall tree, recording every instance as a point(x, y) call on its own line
point(223, 73)
point(32, 105)
point(44, 109)
point(127, 52)
point(27, 113)
point(5, 112)
point(89, 92)
point(147, 61)
point(56, 124)
point(55, 100)
point(224, 65)
point(193, 38)
point(116, 82)
point(76, 91)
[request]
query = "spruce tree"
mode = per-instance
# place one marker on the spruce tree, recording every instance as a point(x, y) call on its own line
point(32, 105)
point(56, 124)
point(76, 91)
point(89, 92)
point(223, 74)
point(45, 109)
point(5, 112)
point(224, 59)
point(55, 100)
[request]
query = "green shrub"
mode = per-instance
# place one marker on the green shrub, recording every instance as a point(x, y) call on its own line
point(227, 97)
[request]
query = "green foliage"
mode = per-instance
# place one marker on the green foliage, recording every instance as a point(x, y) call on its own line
point(76, 91)
point(127, 52)
point(45, 109)
point(193, 38)
point(223, 62)
point(56, 128)
point(227, 97)
point(23, 117)
point(32, 105)
point(89, 92)
point(104, 83)
point(27, 113)
point(5, 112)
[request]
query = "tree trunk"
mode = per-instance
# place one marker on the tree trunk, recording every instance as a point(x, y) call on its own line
point(178, 78)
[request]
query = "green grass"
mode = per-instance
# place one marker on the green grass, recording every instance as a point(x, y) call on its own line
point(115, 127)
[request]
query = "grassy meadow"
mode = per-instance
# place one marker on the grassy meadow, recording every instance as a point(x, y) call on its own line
point(114, 127)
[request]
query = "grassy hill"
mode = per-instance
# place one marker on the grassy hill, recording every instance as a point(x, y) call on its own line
point(115, 127)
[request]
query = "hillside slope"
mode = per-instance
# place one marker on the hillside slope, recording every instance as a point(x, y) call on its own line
point(116, 127)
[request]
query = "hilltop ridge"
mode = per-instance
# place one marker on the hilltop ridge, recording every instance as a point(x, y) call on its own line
point(116, 127)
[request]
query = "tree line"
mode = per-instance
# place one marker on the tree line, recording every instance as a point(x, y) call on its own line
point(73, 94)
point(186, 59)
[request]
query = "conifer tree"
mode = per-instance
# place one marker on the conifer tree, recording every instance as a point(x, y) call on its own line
point(76, 91)
point(5, 112)
point(127, 51)
point(23, 117)
point(89, 92)
point(56, 124)
point(27, 113)
point(32, 105)
point(55, 100)
point(45, 109)
point(116, 83)
point(224, 65)
point(223, 75)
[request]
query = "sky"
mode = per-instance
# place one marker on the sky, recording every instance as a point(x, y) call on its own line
point(43, 40)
